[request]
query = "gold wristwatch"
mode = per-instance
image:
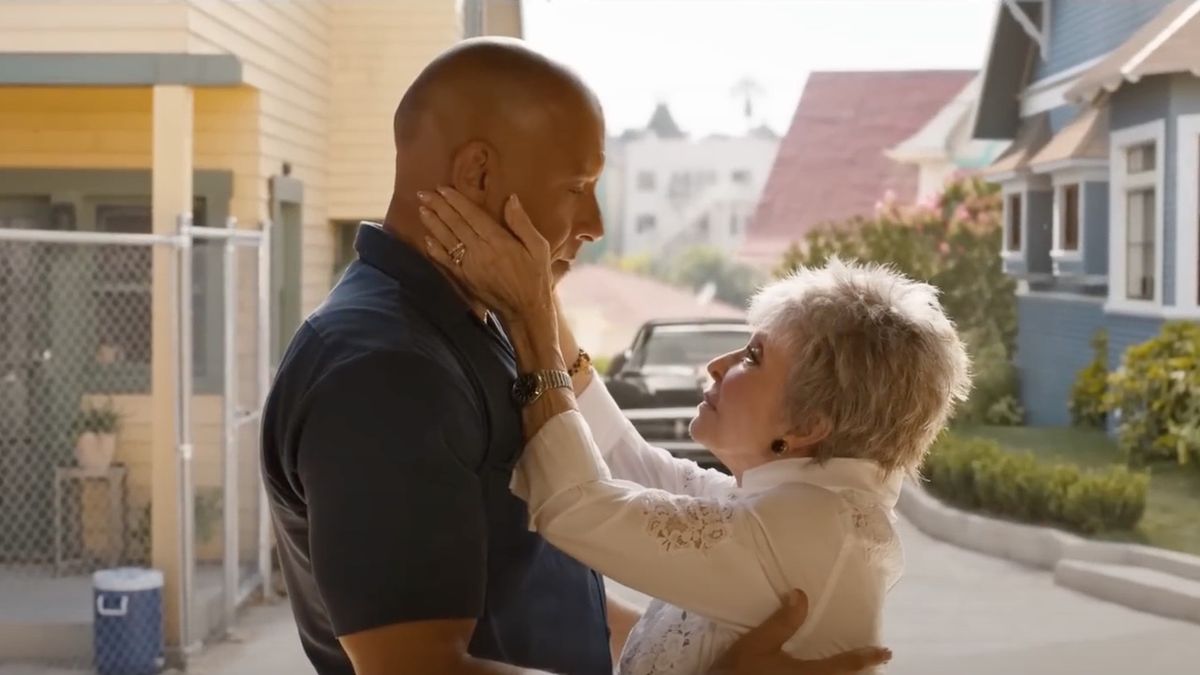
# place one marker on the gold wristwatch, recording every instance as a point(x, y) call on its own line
point(530, 386)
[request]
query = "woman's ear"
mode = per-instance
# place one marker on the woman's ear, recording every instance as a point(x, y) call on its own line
point(806, 438)
point(472, 169)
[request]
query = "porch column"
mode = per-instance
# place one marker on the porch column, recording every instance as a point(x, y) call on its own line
point(171, 187)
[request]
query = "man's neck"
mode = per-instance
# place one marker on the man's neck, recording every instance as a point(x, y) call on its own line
point(409, 230)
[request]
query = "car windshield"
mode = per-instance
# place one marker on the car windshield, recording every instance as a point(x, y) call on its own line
point(676, 346)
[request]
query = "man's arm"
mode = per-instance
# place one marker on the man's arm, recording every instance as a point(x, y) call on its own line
point(397, 529)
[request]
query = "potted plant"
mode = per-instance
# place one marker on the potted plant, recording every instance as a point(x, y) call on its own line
point(97, 442)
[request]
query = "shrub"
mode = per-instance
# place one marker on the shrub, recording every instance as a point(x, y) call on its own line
point(1005, 412)
point(954, 243)
point(1087, 403)
point(977, 475)
point(1155, 396)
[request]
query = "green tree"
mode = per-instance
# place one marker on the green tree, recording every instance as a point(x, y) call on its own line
point(954, 243)
point(701, 265)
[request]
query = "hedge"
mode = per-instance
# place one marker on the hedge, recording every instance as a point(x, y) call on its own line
point(977, 475)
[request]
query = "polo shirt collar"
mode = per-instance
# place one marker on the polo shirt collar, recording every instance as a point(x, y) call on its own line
point(419, 277)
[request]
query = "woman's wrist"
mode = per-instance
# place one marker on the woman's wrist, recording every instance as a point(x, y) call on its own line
point(534, 336)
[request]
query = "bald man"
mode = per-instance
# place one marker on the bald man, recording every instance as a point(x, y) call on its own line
point(390, 432)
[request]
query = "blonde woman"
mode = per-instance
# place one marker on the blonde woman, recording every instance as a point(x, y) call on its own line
point(850, 374)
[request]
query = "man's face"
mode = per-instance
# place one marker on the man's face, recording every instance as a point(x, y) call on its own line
point(555, 177)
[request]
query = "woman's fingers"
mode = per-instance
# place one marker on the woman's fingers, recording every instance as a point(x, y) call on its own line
point(441, 257)
point(450, 217)
point(518, 221)
point(472, 214)
point(437, 228)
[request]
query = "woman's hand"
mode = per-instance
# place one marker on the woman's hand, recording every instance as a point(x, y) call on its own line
point(508, 269)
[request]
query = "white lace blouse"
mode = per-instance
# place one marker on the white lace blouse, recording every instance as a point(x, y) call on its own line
point(716, 556)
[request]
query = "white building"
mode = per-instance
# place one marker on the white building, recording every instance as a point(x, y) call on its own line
point(666, 191)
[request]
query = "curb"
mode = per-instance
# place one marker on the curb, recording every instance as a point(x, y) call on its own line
point(1058, 551)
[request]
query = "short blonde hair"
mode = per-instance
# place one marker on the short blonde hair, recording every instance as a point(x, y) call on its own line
point(874, 353)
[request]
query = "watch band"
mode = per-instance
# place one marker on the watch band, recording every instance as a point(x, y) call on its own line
point(530, 386)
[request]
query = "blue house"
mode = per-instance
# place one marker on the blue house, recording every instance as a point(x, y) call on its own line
point(1100, 183)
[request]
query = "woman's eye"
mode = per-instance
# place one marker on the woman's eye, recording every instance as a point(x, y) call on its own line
point(577, 190)
point(750, 355)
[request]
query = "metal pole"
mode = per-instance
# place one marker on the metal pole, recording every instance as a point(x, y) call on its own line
point(186, 493)
point(264, 383)
point(232, 558)
point(474, 18)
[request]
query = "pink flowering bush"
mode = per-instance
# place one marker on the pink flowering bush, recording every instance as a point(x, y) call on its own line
point(953, 242)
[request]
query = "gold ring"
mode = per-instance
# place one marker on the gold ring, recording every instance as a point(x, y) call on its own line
point(458, 253)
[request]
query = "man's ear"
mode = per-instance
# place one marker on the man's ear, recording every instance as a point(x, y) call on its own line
point(471, 169)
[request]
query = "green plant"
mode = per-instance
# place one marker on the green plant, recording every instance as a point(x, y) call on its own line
point(99, 420)
point(208, 510)
point(953, 243)
point(977, 474)
point(1087, 402)
point(1155, 397)
point(1006, 411)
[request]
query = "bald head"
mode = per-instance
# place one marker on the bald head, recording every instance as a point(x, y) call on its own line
point(492, 117)
point(487, 83)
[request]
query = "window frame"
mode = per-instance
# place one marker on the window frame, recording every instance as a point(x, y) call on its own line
point(1122, 184)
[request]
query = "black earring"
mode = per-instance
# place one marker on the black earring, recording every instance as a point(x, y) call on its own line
point(779, 446)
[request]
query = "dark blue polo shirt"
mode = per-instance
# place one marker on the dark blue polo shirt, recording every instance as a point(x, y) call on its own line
point(389, 439)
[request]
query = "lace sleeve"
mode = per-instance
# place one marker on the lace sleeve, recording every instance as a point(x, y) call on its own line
point(682, 549)
point(630, 457)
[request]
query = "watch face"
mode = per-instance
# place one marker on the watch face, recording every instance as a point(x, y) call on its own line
point(525, 388)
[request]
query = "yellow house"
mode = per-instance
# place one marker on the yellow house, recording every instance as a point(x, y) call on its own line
point(121, 117)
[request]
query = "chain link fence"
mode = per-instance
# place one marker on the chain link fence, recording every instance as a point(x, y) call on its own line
point(82, 476)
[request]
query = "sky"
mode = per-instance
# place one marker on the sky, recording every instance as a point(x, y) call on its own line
point(690, 53)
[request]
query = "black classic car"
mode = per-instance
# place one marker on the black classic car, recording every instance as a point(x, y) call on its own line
point(661, 378)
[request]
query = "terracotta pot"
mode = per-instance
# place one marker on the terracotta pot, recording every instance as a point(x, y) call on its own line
point(94, 451)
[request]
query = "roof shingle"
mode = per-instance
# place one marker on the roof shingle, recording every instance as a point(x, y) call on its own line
point(831, 164)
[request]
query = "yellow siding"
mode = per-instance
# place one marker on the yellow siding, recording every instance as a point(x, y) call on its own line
point(503, 17)
point(379, 46)
point(89, 26)
point(284, 49)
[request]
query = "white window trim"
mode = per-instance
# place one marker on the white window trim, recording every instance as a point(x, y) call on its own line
point(1119, 141)
point(1060, 254)
point(1011, 189)
point(1187, 210)
point(1022, 184)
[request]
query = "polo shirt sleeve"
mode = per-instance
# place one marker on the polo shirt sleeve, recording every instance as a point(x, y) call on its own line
point(386, 462)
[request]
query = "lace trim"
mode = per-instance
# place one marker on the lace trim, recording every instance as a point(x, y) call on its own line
point(680, 522)
point(872, 528)
point(667, 640)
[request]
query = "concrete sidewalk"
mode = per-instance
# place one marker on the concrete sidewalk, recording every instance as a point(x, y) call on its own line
point(954, 612)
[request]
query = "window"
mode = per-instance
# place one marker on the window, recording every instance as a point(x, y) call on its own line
point(1012, 215)
point(1140, 158)
point(1140, 226)
point(741, 177)
point(646, 223)
point(645, 181)
point(344, 234)
point(1068, 218)
point(1137, 191)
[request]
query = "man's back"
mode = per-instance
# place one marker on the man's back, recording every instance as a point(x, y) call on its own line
point(388, 443)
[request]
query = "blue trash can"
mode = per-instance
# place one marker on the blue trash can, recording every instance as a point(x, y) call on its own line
point(127, 628)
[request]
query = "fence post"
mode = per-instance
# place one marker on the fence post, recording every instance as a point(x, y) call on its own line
point(264, 383)
point(229, 423)
point(186, 484)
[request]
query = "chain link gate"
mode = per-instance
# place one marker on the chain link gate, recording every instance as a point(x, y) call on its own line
point(77, 455)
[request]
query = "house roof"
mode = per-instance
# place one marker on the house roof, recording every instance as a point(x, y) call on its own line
point(663, 124)
point(1085, 138)
point(831, 164)
point(1032, 136)
point(1005, 73)
point(606, 306)
point(1166, 44)
point(947, 135)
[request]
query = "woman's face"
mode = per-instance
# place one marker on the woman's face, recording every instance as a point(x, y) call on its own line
point(743, 409)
